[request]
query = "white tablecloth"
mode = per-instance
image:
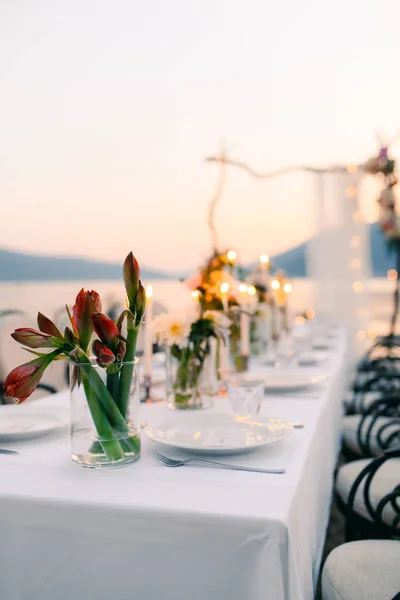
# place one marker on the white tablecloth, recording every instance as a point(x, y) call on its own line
point(146, 532)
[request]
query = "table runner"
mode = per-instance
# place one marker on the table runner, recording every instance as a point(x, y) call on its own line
point(147, 532)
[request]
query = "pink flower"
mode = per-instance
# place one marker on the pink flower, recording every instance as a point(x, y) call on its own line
point(193, 282)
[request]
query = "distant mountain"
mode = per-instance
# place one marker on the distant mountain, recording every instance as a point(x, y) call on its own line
point(16, 266)
point(23, 267)
point(293, 261)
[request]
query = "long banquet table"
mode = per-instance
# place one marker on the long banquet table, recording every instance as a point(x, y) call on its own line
point(147, 532)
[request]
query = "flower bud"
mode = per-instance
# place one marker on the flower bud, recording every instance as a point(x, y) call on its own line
point(105, 328)
point(140, 303)
point(22, 381)
point(34, 339)
point(47, 326)
point(104, 355)
point(120, 350)
point(86, 305)
point(131, 271)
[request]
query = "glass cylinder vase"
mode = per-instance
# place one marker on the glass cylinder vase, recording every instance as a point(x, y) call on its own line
point(191, 383)
point(105, 426)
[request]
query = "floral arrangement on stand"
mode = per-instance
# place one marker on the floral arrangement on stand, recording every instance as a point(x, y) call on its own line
point(263, 321)
point(282, 288)
point(384, 167)
point(217, 287)
point(190, 339)
point(207, 282)
point(103, 373)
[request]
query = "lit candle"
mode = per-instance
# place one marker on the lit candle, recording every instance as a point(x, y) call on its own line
point(244, 321)
point(148, 337)
point(224, 289)
point(195, 296)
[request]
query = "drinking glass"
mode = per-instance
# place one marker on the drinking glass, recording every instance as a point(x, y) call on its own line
point(245, 395)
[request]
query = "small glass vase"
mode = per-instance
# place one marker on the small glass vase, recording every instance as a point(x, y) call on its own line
point(191, 385)
point(261, 329)
point(105, 426)
point(238, 362)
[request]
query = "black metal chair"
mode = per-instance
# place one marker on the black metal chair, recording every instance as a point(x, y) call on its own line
point(370, 497)
point(374, 432)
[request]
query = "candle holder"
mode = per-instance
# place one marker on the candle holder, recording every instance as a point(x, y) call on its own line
point(244, 363)
point(147, 395)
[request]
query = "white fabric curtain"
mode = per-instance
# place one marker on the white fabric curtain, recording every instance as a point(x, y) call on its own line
point(338, 254)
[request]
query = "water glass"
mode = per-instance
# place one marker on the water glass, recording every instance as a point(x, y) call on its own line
point(245, 395)
point(286, 354)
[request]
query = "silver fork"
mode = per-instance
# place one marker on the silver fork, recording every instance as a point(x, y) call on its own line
point(170, 462)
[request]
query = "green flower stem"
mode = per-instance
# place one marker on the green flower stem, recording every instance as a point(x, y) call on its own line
point(125, 379)
point(109, 443)
point(113, 381)
point(115, 418)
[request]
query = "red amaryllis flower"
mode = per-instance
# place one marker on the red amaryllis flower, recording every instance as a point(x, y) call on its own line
point(86, 305)
point(22, 381)
point(120, 350)
point(47, 326)
point(104, 356)
point(131, 271)
point(106, 329)
point(34, 339)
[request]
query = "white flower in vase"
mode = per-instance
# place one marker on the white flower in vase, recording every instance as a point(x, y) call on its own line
point(173, 327)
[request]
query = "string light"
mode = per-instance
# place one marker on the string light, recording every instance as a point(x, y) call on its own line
point(392, 275)
point(195, 294)
point(355, 263)
point(231, 256)
point(310, 314)
point(149, 291)
point(362, 335)
point(351, 191)
point(357, 216)
point(243, 289)
point(355, 241)
point(357, 286)
point(287, 288)
point(251, 290)
point(299, 320)
point(264, 259)
point(275, 284)
point(372, 335)
point(224, 287)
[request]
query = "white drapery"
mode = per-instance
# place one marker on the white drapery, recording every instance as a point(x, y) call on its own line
point(338, 254)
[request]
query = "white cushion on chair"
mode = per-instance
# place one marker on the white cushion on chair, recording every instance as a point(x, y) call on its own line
point(367, 570)
point(349, 433)
point(384, 481)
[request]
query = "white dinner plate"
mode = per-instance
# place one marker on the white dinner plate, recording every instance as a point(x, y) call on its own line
point(307, 359)
point(218, 433)
point(322, 344)
point(315, 357)
point(30, 421)
point(290, 380)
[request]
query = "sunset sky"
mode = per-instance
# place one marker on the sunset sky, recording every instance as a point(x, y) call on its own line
point(108, 109)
